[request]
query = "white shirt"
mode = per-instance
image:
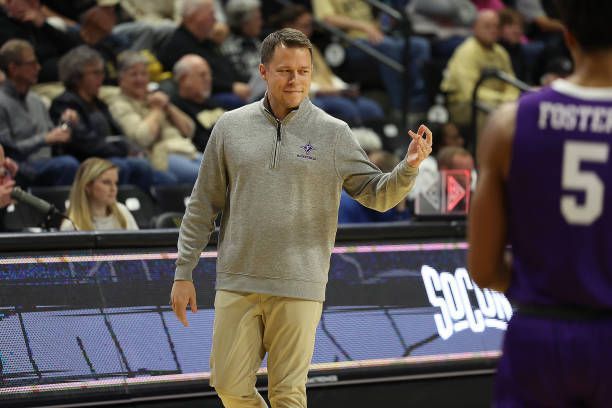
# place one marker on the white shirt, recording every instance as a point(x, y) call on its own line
point(107, 222)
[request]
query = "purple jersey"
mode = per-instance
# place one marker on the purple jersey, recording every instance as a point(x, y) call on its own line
point(560, 198)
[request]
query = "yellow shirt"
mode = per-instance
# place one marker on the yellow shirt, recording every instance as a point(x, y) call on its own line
point(356, 9)
point(464, 68)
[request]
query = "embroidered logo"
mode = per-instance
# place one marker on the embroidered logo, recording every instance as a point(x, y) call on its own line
point(308, 149)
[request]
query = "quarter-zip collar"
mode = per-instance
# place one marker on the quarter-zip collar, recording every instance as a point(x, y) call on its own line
point(267, 110)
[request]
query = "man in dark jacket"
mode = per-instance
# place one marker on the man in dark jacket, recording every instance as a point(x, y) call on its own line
point(192, 37)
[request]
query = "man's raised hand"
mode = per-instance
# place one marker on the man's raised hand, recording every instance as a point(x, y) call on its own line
point(419, 148)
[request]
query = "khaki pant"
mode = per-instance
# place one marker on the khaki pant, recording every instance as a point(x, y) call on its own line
point(247, 325)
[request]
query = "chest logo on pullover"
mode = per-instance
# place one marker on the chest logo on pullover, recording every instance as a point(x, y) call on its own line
point(308, 149)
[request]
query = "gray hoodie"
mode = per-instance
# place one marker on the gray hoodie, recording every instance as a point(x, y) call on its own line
point(278, 185)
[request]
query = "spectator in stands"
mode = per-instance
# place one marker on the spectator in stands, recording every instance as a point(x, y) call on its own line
point(193, 37)
point(457, 158)
point(511, 38)
point(97, 133)
point(535, 15)
point(351, 211)
point(93, 199)
point(152, 122)
point(356, 18)
point(475, 54)
point(454, 158)
point(328, 91)
point(24, 19)
point(26, 130)
point(8, 170)
point(2, 77)
point(242, 45)
point(193, 76)
point(96, 30)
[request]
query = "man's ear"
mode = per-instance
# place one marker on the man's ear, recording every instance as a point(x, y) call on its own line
point(262, 71)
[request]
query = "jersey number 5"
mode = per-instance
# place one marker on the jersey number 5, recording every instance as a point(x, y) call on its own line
point(575, 179)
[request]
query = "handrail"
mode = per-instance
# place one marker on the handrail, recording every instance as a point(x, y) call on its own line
point(476, 105)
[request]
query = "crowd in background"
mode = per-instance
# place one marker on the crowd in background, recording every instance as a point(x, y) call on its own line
point(140, 84)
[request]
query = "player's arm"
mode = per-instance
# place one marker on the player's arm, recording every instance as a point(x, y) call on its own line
point(487, 226)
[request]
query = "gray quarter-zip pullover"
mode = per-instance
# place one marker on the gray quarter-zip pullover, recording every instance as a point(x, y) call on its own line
point(278, 185)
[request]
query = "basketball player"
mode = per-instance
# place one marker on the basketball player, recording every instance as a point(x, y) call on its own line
point(545, 187)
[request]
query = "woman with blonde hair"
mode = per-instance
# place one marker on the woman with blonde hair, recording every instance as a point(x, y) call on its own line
point(93, 199)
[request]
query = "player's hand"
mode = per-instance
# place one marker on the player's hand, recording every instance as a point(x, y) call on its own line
point(183, 294)
point(419, 148)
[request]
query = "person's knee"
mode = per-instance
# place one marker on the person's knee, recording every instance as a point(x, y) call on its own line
point(232, 398)
point(286, 396)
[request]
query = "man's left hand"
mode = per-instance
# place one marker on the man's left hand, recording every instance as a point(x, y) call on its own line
point(419, 148)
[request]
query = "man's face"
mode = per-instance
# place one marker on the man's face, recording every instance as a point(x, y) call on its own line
point(197, 81)
point(17, 8)
point(288, 75)
point(252, 27)
point(202, 21)
point(486, 29)
point(26, 70)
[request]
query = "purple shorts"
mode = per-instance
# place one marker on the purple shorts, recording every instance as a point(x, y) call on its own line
point(555, 363)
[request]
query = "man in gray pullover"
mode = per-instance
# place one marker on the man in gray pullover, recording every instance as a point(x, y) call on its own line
point(275, 170)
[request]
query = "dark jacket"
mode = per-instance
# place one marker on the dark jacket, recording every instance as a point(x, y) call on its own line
point(49, 43)
point(182, 42)
point(88, 139)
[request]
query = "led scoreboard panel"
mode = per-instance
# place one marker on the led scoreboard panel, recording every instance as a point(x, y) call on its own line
point(99, 318)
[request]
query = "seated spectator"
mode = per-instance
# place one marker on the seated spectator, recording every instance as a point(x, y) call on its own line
point(475, 54)
point(351, 211)
point(193, 76)
point(193, 37)
point(8, 170)
point(511, 38)
point(454, 158)
point(93, 199)
point(96, 30)
point(457, 158)
point(153, 123)
point(328, 91)
point(242, 45)
point(25, 20)
point(97, 133)
point(26, 130)
point(356, 18)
